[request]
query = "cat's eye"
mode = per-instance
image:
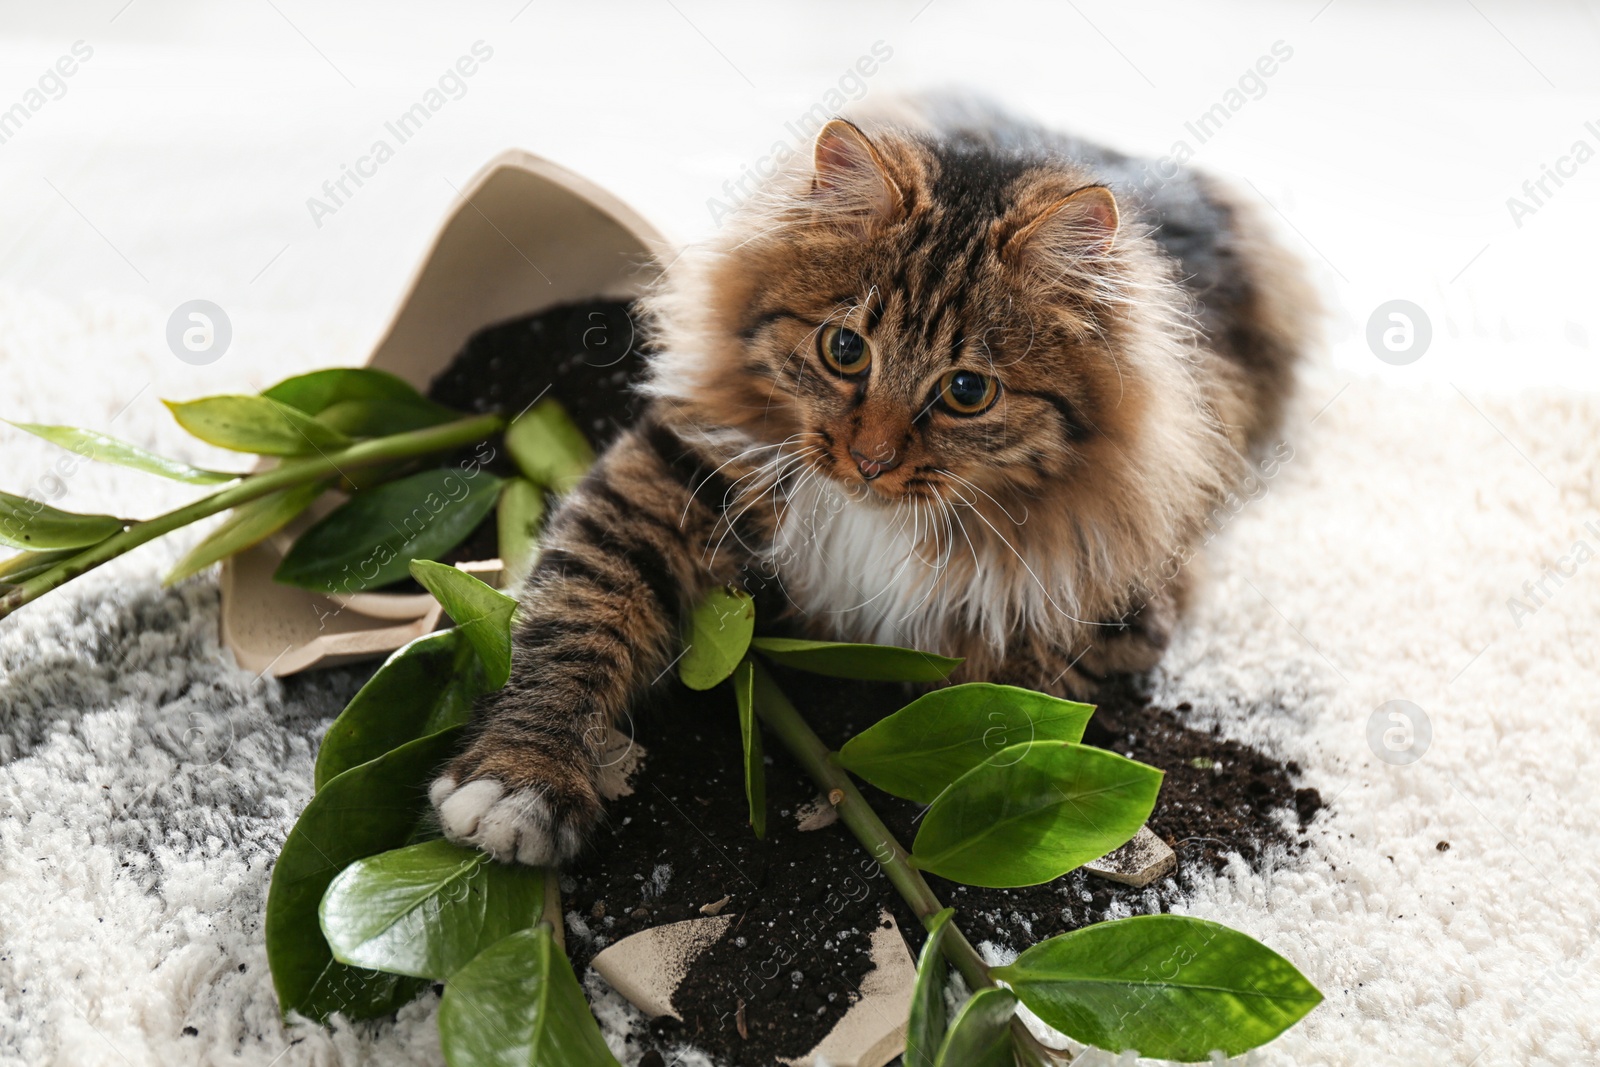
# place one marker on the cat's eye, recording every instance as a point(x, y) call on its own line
point(967, 392)
point(845, 350)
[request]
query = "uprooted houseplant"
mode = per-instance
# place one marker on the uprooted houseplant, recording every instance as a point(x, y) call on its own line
point(367, 905)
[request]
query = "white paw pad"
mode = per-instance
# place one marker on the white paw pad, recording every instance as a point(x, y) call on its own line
point(509, 826)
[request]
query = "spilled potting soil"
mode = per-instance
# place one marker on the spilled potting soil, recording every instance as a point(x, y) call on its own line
point(804, 903)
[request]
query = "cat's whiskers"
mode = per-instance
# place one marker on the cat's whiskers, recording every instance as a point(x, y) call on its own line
point(955, 517)
point(938, 565)
point(891, 584)
point(732, 459)
point(957, 478)
point(1048, 595)
point(775, 470)
point(729, 498)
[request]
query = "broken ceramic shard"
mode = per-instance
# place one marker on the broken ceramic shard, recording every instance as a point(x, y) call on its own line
point(816, 814)
point(648, 967)
point(873, 1031)
point(1138, 863)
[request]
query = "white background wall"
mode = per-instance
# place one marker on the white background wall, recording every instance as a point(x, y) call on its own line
point(179, 160)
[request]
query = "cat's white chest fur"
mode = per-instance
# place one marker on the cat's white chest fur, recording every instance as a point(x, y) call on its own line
point(901, 575)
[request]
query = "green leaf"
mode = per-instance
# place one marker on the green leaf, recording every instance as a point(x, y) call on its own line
point(865, 663)
point(319, 390)
point(519, 515)
point(549, 448)
point(719, 634)
point(427, 686)
point(519, 1005)
point(379, 418)
point(426, 910)
point(366, 810)
point(35, 525)
point(942, 735)
point(483, 615)
point(981, 1033)
point(1171, 986)
point(255, 424)
point(25, 565)
point(371, 539)
point(1033, 812)
point(755, 770)
point(92, 445)
point(246, 525)
point(925, 1029)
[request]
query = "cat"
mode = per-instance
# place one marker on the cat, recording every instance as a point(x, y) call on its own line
point(953, 382)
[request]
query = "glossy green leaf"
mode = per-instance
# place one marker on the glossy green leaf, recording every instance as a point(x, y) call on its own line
point(427, 686)
point(926, 1027)
point(379, 418)
point(35, 525)
point(366, 810)
point(866, 663)
point(718, 636)
point(519, 515)
point(755, 769)
point(246, 525)
point(319, 390)
point(519, 1005)
point(1171, 986)
point(25, 565)
point(549, 448)
point(371, 539)
point(255, 424)
point(426, 910)
point(980, 1036)
point(483, 615)
point(97, 446)
point(1033, 812)
point(942, 735)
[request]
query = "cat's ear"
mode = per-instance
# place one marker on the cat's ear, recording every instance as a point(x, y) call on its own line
point(850, 181)
point(1084, 223)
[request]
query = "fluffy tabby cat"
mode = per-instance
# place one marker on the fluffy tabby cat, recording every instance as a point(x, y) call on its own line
point(957, 383)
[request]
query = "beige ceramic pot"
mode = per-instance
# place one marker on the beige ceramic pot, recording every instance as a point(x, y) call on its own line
point(525, 235)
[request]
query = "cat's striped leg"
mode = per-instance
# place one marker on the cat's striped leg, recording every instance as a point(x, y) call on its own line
point(623, 557)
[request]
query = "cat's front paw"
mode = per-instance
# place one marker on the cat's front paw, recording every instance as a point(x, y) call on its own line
point(517, 803)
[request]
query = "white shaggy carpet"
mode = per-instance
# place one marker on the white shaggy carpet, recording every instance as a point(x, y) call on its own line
point(146, 783)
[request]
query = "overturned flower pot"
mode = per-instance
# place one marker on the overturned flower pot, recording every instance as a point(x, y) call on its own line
point(526, 235)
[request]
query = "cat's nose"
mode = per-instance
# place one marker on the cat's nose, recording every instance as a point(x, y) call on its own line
point(870, 468)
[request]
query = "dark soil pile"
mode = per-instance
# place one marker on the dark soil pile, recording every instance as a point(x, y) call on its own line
point(804, 905)
point(587, 356)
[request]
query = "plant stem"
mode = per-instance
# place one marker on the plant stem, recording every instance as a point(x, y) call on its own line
point(551, 911)
point(782, 718)
point(295, 471)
